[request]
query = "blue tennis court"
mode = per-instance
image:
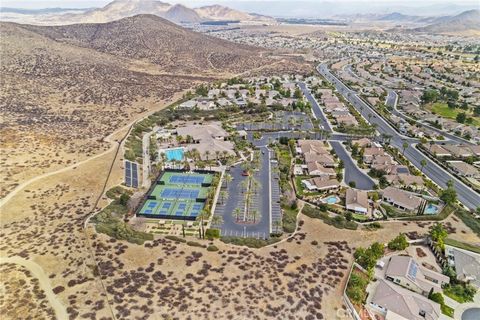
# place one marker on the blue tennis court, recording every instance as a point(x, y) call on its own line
point(166, 205)
point(172, 193)
point(152, 204)
point(178, 179)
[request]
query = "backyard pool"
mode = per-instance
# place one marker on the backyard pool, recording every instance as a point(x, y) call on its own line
point(431, 209)
point(471, 314)
point(331, 199)
point(174, 154)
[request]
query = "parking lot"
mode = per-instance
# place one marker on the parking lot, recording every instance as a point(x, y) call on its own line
point(260, 202)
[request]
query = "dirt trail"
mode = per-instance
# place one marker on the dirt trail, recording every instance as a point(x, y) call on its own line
point(113, 146)
point(37, 272)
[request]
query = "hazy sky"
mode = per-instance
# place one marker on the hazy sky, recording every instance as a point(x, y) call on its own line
point(99, 3)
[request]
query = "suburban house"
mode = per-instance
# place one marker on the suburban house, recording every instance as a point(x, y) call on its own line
point(439, 151)
point(406, 180)
point(402, 199)
point(397, 303)
point(464, 169)
point(321, 184)
point(406, 272)
point(357, 201)
point(466, 264)
point(370, 153)
point(458, 151)
point(316, 169)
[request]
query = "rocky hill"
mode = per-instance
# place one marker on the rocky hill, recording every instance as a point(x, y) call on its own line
point(65, 88)
point(119, 9)
point(467, 23)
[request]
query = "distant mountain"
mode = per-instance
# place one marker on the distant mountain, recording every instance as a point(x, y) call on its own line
point(119, 9)
point(467, 22)
point(181, 14)
point(41, 11)
point(222, 13)
point(398, 17)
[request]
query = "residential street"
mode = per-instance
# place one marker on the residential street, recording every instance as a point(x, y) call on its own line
point(352, 172)
point(466, 195)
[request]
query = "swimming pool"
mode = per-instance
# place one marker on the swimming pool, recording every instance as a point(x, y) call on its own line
point(331, 199)
point(471, 314)
point(431, 209)
point(174, 154)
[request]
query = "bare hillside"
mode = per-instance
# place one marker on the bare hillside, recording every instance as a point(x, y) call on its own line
point(66, 88)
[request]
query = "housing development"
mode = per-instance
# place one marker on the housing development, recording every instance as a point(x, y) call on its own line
point(188, 163)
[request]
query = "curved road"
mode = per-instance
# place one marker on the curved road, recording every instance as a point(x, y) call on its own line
point(466, 195)
point(352, 172)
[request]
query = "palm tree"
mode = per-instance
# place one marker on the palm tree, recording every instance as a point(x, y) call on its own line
point(228, 178)
point(278, 225)
point(217, 220)
point(404, 146)
point(223, 195)
point(255, 215)
point(217, 153)
point(423, 163)
point(204, 214)
point(236, 213)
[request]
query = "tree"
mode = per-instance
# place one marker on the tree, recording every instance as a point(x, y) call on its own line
point(124, 199)
point(404, 147)
point(352, 184)
point(223, 195)
point(398, 243)
point(449, 195)
point(204, 214)
point(430, 95)
point(297, 94)
point(348, 216)
point(228, 178)
point(423, 163)
point(255, 215)
point(461, 117)
point(236, 213)
point(217, 220)
point(437, 297)
point(438, 233)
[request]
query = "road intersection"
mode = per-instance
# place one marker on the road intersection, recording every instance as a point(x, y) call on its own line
point(466, 195)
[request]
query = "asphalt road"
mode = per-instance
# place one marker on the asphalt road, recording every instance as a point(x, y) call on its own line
point(392, 101)
point(352, 172)
point(466, 195)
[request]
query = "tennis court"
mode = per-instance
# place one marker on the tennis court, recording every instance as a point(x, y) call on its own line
point(180, 196)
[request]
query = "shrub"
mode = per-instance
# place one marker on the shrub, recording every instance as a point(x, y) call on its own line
point(212, 248)
point(249, 242)
point(399, 243)
point(195, 244)
point(176, 239)
point(212, 234)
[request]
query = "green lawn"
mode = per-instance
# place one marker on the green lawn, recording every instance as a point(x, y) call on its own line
point(443, 110)
point(462, 245)
point(446, 310)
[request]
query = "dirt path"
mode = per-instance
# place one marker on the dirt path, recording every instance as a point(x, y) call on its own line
point(37, 272)
point(113, 146)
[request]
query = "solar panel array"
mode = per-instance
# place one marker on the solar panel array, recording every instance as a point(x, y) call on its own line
point(131, 174)
point(134, 175)
point(412, 270)
point(128, 173)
